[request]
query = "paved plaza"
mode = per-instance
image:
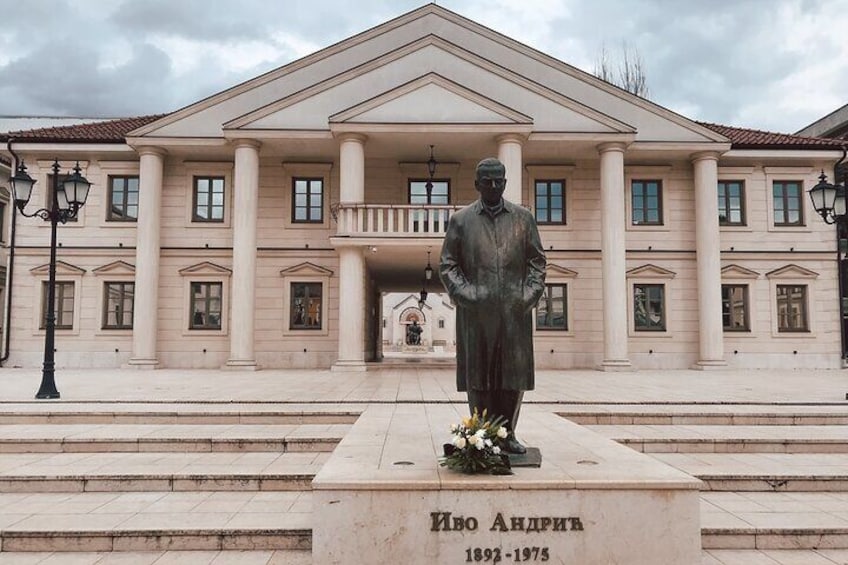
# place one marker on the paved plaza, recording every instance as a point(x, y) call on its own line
point(220, 459)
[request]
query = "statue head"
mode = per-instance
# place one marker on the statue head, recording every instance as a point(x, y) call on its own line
point(490, 181)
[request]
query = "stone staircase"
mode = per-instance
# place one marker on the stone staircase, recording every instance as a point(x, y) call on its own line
point(224, 482)
point(775, 477)
point(130, 482)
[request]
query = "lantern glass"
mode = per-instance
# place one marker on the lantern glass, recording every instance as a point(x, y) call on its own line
point(75, 188)
point(22, 185)
point(823, 196)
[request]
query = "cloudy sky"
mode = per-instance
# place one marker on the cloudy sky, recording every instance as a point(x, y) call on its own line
point(768, 64)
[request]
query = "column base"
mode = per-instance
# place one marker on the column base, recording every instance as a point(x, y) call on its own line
point(240, 365)
point(349, 367)
point(142, 363)
point(613, 365)
point(710, 365)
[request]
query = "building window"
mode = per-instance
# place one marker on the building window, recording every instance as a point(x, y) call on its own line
point(731, 203)
point(792, 308)
point(118, 305)
point(550, 201)
point(2, 221)
point(63, 304)
point(123, 199)
point(734, 307)
point(646, 202)
point(441, 323)
point(551, 311)
point(438, 194)
point(306, 306)
point(308, 198)
point(788, 209)
point(206, 302)
point(649, 307)
point(208, 204)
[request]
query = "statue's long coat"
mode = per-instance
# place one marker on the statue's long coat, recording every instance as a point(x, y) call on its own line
point(494, 271)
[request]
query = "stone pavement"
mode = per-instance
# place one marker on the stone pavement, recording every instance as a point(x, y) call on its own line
point(228, 456)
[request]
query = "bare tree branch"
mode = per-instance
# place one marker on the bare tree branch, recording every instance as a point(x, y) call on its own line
point(629, 73)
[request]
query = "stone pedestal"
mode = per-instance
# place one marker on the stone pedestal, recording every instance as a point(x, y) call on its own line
point(383, 496)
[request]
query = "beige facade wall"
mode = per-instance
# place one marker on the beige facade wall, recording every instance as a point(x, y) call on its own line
point(760, 247)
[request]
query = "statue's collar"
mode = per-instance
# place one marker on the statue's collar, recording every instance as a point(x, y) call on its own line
point(492, 211)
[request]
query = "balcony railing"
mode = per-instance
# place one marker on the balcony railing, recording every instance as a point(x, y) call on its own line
point(378, 220)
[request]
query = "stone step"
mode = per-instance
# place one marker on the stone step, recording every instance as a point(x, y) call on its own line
point(93, 438)
point(196, 557)
point(107, 472)
point(179, 413)
point(774, 557)
point(720, 418)
point(204, 520)
point(769, 520)
point(768, 472)
point(728, 439)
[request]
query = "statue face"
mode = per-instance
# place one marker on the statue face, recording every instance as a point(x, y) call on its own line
point(490, 184)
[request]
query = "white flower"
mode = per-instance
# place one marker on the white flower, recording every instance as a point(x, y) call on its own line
point(474, 440)
point(481, 433)
point(488, 443)
point(502, 433)
point(496, 450)
point(454, 428)
point(459, 442)
point(480, 446)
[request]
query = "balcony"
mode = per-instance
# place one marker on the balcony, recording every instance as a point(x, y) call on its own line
point(392, 220)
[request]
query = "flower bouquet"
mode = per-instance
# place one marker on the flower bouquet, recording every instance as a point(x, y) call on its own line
point(474, 447)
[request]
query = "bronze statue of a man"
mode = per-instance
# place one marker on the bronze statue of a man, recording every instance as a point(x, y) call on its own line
point(493, 267)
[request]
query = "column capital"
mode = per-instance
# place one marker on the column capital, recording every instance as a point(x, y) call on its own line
point(617, 146)
point(519, 138)
point(245, 142)
point(151, 150)
point(705, 156)
point(352, 136)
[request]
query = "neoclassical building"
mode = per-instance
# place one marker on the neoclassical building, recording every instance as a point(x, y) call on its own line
point(260, 226)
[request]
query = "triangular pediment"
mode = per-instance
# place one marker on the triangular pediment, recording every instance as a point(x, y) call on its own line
point(365, 75)
point(62, 269)
point(737, 272)
point(431, 99)
point(306, 269)
point(649, 271)
point(115, 268)
point(205, 268)
point(555, 271)
point(792, 272)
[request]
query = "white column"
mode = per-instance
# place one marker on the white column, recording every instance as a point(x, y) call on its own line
point(707, 237)
point(509, 153)
point(351, 310)
point(614, 280)
point(146, 306)
point(352, 168)
point(245, 211)
point(351, 260)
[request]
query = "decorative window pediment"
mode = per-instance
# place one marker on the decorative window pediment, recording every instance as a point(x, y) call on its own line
point(792, 272)
point(650, 271)
point(206, 268)
point(115, 268)
point(306, 269)
point(738, 272)
point(555, 271)
point(62, 269)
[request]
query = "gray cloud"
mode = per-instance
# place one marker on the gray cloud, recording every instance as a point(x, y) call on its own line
point(755, 63)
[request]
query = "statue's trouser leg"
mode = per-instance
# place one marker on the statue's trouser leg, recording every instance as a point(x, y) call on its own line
point(506, 403)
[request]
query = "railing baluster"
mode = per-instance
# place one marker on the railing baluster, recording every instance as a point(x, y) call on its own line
point(391, 213)
point(369, 220)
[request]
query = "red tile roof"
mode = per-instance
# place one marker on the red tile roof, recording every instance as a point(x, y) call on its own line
point(110, 131)
point(115, 131)
point(743, 138)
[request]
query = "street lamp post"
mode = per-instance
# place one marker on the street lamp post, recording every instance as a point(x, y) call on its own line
point(66, 200)
point(829, 201)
